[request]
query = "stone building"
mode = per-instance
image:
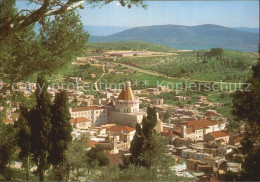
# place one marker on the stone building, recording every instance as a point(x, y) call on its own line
point(125, 109)
point(222, 136)
point(80, 122)
point(197, 129)
point(96, 114)
point(113, 144)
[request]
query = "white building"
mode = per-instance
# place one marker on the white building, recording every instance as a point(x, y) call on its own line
point(97, 115)
point(193, 154)
point(197, 129)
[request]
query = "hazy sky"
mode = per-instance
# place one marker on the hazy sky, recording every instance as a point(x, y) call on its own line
point(226, 13)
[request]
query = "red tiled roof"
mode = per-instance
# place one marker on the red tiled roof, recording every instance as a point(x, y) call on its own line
point(79, 120)
point(169, 133)
point(92, 143)
point(165, 132)
point(120, 128)
point(77, 109)
point(238, 140)
point(177, 132)
point(218, 134)
point(203, 123)
point(189, 130)
point(210, 113)
point(7, 120)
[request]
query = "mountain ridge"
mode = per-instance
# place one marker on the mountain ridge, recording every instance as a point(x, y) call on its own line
point(200, 35)
point(100, 30)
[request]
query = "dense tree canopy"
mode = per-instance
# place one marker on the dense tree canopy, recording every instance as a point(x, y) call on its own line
point(246, 106)
point(45, 129)
point(218, 52)
point(7, 148)
point(62, 36)
point(97, 154)
point(25, 52)
point(13, 21)
point(149, 149)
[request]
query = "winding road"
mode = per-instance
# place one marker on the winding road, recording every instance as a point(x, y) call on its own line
point(96, 85)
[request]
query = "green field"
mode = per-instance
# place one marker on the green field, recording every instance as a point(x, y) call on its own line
point(233, 67)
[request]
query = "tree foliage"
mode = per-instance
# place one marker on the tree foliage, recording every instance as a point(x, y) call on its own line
point(40, 125)
point(136, 173)
point(13, 21)
point(246, 107)
point(23, 139)
point(143, 138)
point(60, 135)
point(218, 52)
point(45, 130)
point(149, 149)
point(61, 35)
point(97, 154)
point(7, 149)
point(24, 52)
point(75, 159)
point(75, 162)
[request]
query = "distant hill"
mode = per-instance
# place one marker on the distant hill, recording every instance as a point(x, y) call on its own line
point(202, 35)
point(252, 30)
point(130, 45)
point(103, 30)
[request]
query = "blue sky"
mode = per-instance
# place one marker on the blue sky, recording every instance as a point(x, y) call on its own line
point(225, 13)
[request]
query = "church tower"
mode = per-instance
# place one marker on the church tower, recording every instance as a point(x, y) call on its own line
point(127, 101)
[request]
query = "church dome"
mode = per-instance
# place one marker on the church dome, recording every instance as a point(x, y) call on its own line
point(127, 92)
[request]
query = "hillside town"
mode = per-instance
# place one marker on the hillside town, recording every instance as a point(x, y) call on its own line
point(129, 90)
point(198, 141)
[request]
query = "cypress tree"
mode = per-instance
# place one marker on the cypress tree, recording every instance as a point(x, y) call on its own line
point(23, 139)
point(149, 149)
point(40, 124)
point(143, 139)
point(136, 146)
point(60, 135)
